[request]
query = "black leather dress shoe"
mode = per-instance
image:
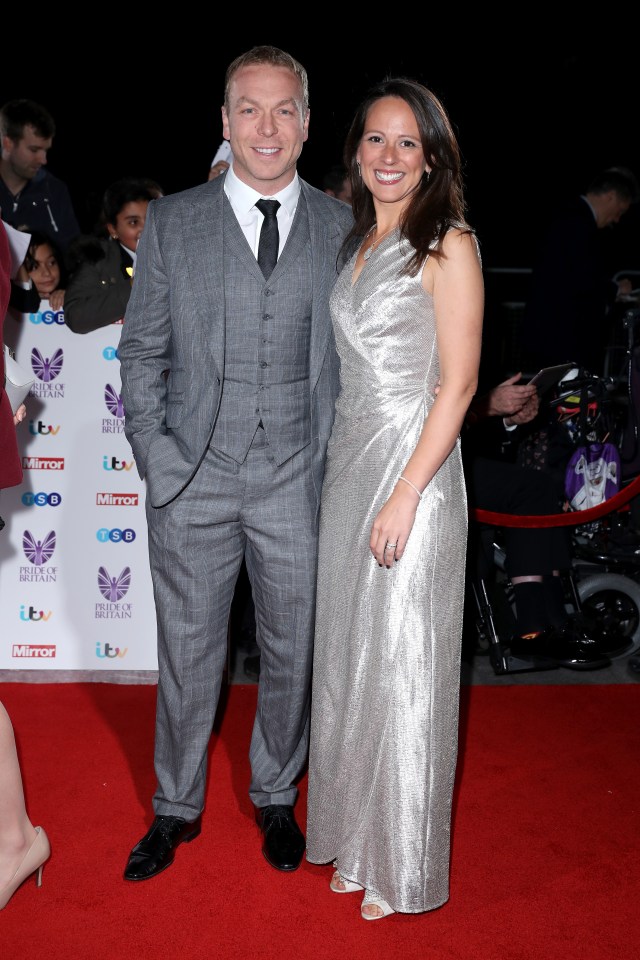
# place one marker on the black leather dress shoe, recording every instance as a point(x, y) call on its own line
point(569, 646)
point(157, 849)
point(283, 843)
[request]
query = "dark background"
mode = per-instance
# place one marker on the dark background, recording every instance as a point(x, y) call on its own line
point(537, 111)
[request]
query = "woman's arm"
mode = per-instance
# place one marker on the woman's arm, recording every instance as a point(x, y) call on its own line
point(457, 287)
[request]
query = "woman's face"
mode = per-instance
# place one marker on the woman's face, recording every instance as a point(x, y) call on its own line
point(46, 272)
point(129, 224)
point(390, 152)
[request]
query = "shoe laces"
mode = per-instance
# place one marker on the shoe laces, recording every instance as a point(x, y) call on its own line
point(168, 825)
point(278, 814)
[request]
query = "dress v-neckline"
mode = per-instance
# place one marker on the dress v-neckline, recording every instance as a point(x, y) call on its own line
point(365, 264)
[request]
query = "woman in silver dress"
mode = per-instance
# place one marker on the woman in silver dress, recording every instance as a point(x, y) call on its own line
point(407, 312)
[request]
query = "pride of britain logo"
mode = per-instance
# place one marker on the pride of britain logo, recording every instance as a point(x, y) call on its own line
point(47, 371)
point(113, 403)
point(113, 589)
point(38, 553)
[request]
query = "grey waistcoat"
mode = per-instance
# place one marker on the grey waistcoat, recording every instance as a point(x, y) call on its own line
point(266, 370)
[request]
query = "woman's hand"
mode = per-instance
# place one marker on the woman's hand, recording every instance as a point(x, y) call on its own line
point(19, 415)
point(393, 524)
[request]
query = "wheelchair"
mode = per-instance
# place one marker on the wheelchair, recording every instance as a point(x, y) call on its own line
point(608, 597)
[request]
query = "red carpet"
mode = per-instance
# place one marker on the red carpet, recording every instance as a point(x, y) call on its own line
point(545, 853)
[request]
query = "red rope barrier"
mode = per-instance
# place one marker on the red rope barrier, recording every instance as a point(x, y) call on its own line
point(573, 518)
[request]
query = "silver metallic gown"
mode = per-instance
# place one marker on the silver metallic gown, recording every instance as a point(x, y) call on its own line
point(386, 673)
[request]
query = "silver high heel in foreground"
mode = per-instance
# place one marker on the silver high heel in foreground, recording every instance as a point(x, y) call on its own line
point(32, 862)
point(372, 898)
point(348, 886)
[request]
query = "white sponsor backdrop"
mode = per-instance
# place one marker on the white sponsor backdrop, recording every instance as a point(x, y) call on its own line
point(75, 587)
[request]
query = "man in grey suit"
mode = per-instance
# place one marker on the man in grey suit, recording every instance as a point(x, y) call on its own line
point(229, 377)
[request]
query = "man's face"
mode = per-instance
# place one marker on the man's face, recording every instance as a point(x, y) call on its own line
point(266, 125)
point(613, 208)
point(27, 155)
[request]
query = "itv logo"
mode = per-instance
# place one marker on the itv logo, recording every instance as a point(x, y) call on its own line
point(33, 615)
point(40, 429)
point(114, 464)
point(106, 650)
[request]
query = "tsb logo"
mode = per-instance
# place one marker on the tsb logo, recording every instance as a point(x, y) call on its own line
point(110, 353)
point(116, 535)
point(30, 499)
point(48, 317)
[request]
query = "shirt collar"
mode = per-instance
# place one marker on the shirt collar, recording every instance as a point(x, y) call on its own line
point(243, 198)
point(595, 215)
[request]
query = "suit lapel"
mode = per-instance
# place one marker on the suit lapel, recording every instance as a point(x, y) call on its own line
point(206, 269)
point(325, 240)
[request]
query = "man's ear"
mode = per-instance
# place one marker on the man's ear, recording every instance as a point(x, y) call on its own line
point(225, 125)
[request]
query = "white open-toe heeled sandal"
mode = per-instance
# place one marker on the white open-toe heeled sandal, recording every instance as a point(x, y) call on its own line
point(348, 886)
point(371, 898)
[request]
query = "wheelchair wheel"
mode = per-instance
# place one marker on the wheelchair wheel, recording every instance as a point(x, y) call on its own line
point(613, 600)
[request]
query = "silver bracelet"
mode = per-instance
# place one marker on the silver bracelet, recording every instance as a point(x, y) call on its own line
point(412, 485)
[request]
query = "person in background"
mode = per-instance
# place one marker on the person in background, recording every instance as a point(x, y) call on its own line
point(572, 290)
point(31, 197)
point(221, 160)
point(337, 183)
point(41, 276)
point(102, 266)
point(229, 377)
point(24, 849)
point(407, 311)
point(535, 557)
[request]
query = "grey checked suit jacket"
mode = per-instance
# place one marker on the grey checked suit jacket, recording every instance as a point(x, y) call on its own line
point(172, 346)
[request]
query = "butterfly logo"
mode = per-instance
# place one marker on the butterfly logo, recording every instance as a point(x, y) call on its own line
point(38, 551)
point(114, 588)
point(45, 368)
point(113, 401)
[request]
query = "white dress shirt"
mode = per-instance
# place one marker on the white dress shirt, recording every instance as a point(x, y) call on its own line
point(243, 201)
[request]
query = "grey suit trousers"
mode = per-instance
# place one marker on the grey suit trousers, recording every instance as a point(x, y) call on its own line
point(196, 543)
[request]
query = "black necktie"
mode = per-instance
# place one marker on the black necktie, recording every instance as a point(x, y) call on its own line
point(269, 239)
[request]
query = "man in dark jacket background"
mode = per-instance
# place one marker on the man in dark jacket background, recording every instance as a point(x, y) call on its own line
point(572, 289)
point(30, 196)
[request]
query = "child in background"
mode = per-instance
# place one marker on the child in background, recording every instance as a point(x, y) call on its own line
point(102, 265)
point(42, 276)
